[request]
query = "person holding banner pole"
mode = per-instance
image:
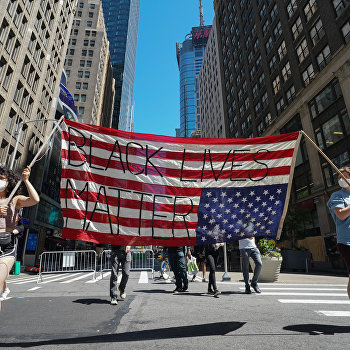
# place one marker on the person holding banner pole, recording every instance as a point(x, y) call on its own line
point(339, 206)
point(10, 204)
point(176, 256)
point(121, 256)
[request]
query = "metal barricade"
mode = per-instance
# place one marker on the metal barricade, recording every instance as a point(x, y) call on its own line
point(67, 261)
point(141, 260)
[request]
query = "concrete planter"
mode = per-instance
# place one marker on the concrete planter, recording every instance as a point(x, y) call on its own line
point(270, 268)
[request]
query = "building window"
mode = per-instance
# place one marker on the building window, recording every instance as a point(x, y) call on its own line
point(81, 110)
point(292, 7)
point(91, 15)
point(273, 63)
point(260, 128)
point(255, 91)
point(290, 94)
point(257, 108)
point(276, 84)
point(317, 32)
point(78, 85)
point(346, 31)
point(297, 28)
point(81, 5)
point(280, 105)
point(282, 50)
point(286, 71)
point(90, 53)
point(267, 119)
point(302, 51)
point(83, 98)
point(339, 5)
point(74, 42)
point(71, 51)
point(88, 63)
point(76, 97)
point(277, 30)
point(258, 62)
point(324, 57)
point(83, 52)
point(87, 74)
point(80, 74)
point(262, 80)
point(86, 42)
point(85, 86)
point(89, 23)
point(269, 45)
point(265, 27)
point(262, 12)
point(310, 9)
point(308, 75)
point(92, 6)
point(325, 98)
point(274, 13)
point(264, 100)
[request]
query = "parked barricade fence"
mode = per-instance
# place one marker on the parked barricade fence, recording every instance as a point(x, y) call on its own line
point(67, 261)
point(141, 260)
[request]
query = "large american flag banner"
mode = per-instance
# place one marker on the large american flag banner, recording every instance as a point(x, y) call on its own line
point(139, 189)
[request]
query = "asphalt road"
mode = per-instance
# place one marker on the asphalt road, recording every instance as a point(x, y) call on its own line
point(72, 311)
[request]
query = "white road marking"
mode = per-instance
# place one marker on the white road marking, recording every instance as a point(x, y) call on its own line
point(313, 301)
point(79, 277)
point(335, 313)
point(24, 279)
point(98, 278)
point(45, 277)
point(287, 284)
point(57, 279)
point(305, 294)
point(288, 288)
point(143, 277)
point(34, 288)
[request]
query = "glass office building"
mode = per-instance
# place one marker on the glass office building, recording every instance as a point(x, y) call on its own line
point(190, 57)
point(122, 20)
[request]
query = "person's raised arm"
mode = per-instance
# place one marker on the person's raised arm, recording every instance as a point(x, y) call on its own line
point(33, 198)
point(342, 213)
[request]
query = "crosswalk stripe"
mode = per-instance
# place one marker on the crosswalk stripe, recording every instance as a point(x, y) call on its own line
point(313, 301)
point(305, 294)
point(335, 313)
point(143, 277)
point(85, 275)
point(287, 288)
point(287, 284)
point(57, 279)
point(34, 288)
point(22, 280)
point(32, 280)
point(98, 278)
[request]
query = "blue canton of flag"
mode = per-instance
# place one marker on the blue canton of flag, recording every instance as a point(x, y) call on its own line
point(229, 214)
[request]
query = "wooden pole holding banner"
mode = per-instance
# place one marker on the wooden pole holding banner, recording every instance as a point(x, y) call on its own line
point(325, 156)
point(34, 159)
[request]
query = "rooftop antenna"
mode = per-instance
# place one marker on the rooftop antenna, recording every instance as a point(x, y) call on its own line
point(201, 19)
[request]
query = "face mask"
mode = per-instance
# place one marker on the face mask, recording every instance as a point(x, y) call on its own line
point(342, 183)
point(3, 185)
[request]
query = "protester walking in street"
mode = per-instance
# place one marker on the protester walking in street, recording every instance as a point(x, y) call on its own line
point(201, 262)
point(9, 219)
point(176, 256)
point(339, 206)
point(121, 256)
point(248, 250)
point(211, 253)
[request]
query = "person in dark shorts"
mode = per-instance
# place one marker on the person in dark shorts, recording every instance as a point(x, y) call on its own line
point(339, 206)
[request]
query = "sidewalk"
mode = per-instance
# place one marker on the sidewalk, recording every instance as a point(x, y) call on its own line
point(291, 278)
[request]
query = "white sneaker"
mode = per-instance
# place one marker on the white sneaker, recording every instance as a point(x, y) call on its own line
point(114, 301)
point(122, 294)
point(5, 293)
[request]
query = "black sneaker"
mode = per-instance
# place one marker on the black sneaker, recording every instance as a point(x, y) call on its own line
point(216, 293)
point(256, 288)
point(177, 290)
point(247, 290)
point(210, 291)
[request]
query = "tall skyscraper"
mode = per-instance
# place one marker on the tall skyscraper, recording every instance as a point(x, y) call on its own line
point(285, 67)
point(210, 91)
point(189, 55)
point(122, 20)
point(87, 61)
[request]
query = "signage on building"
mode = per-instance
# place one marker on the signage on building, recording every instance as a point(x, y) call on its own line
point(200, 35)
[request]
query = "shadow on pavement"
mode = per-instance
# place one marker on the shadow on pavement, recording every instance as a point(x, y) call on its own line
point(317, 329)
point(206, 330)
point(91, 301)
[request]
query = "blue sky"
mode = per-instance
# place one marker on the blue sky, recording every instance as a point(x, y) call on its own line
point(156, 91)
